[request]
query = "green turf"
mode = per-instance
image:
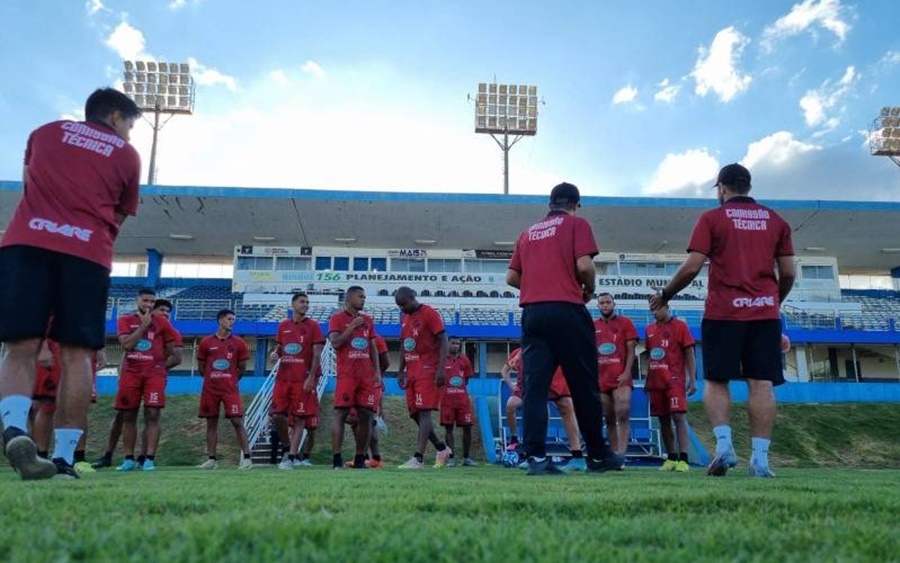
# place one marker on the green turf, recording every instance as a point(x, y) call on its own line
point(472, 514)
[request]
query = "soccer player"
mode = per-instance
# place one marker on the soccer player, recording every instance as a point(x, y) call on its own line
point(616, 340)
point(148, 340)
point(671, 377)
point(80, 183)
point(221, 359)
point(456, 407)
point(352, 334)
point(561, 397)
point(751, 273)
point(373, 455)
point(161, 307)
point(553, 267)
point(299, 345)
point(421, 372)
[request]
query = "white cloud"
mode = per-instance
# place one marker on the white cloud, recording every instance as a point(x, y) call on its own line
point(279, 77)
point(776, 149)
point(891, 58)
point(716, 69)
point(625, 95)
point(313, 68)
point(666, 92)
point(687, 173)
point(209, 76)
point(808, 15)
point(93, 6)
point(816, 104)
point(128, 42)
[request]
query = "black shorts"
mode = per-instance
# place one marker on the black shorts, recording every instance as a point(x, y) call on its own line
point(37, 284)
point(742, 350)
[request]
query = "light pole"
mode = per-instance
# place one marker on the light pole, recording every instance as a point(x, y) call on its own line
point(504, 111)
point(884, 134)
point(160, 88)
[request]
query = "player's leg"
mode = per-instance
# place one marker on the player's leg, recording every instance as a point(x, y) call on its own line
point(539, 361)
point(129, 437)
point(296, 435)
point(115, 432)
point(467, 444)
point(723, 344)
point(212, 436)
point(679, 421)
point(573, 435)
point(281, 406)
point(448, 440)
point(762, 365)
point(609, 418)
point(310, 442)
point(337, 434)
point(151, 435)
point(513, 404)
point(659, 408)
point(622, 402)
point(240, 432)
point(466, 419)
point(373, 448)
point(362, 433)
point(42, 427)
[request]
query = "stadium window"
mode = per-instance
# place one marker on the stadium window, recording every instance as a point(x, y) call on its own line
point(444, 265)
point(405, 265)
point(341, 264)
point(818, 272)
point(379, 264)
point(293, 263)
point(323, 263)
point(671, 268)
point(487, 266)
point(628, 269)
point(360, 264)
point(255, 262)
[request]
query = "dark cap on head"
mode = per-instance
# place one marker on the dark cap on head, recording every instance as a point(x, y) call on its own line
point(735, 176)
point(565, 193)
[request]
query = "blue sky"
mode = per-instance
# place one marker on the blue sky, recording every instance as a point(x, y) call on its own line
point(641, 98)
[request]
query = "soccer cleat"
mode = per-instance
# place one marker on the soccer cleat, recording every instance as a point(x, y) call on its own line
point(303, 463)
point(761, 471)
point(286, 464)
point(374, 464)
point(22, 455)
point(612, 462)
point(127, 465)
point(720, 465)
point(83, 467)
point(149, 465)
point(575, 465)
point(469, 462)
point(246, 463)
point(682, 466)
point(413, 463)
point(442, 457)
point(451, 462)
point(102, 462)
point(523, 465)
point(209, 464)
point(668, 465)
point(64, 471)
point(545, 467)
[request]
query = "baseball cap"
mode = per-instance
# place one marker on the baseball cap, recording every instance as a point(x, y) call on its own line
point(565, 193)
point(734, 175)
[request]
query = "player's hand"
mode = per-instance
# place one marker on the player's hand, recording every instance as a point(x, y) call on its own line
point(357, 322)
point(511, 385)
point(656, 300)
point(401, 379)
point(309, 384)
point(691, 387)
point(273, 357)
point(586, 295)
point(623, 378)
point(378, 382)
point(101, 360)
point(45, 357)
point(145, 317)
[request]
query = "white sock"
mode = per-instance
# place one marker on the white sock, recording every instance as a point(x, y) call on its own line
point(723, 439)
point(760, 451)
point(538, 459)
point(14, 411)
point(66, 439)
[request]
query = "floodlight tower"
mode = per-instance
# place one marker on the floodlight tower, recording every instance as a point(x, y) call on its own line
point(884, 134)
point(504, 110)
point(160, 88)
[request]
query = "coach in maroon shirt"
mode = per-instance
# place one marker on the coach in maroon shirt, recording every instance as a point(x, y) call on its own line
point(553, 267)
point(751, 272)
point(80, 182)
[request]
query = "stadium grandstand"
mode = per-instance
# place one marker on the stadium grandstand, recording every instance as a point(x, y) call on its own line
point(208, 248)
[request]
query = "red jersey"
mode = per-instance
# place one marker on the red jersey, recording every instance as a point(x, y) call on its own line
point(178, 342)
point(54, 371)
point(78, 177)
point(150, 349)
point(457, 372)
point(612, 337)
point(380, 344)
point(742, 240)
point(222, 358)
point(296, 340)
point(418, 336)
point(514, 360)
point(667, 343)
point(354, 357)
point(546, 254)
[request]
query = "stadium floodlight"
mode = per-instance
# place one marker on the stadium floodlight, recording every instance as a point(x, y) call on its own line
point(504, 110)
point(159, 88)
point(884, 134)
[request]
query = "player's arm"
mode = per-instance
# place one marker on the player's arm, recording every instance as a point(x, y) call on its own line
point(384, 360)
point(101, 359)
point(684, 276)
point(129, 341)
point(629, 361)
point(401, 371)
point(690, 370)
point(786, 276)
point(276, 352)
point(443, 352)
point(175, 358)
point(310, 382)
point(514, 278)
point(373, 354)
point(504, 375)
point(202, 355)
point(338, 339)
point(587, 276)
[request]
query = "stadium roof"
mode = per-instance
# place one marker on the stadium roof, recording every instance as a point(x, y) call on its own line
point(210, 221)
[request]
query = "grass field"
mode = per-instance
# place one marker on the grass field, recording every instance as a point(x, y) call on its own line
point(473, 514)
point(825, 504)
